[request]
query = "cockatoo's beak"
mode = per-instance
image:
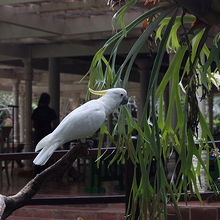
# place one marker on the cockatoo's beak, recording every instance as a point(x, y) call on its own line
point(101, 93)
point(124, 100)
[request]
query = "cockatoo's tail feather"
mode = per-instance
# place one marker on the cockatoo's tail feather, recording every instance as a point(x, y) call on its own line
point(44, 142)
point(45, 154)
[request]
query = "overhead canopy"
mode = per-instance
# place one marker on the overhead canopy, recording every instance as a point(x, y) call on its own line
point(60, 28)
point(72, 30)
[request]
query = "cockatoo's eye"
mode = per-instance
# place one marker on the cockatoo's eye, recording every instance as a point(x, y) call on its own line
point(121, 94)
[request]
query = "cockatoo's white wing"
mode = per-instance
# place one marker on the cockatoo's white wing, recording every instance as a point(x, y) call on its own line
point(80, 123)
point(90, 104)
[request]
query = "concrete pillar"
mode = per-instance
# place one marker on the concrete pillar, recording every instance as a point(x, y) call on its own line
point(28, 104)
point(16, 110)
point(22, 113)
point(54, 85)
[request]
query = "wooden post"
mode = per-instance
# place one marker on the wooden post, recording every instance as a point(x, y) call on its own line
point(28, 108)
point(16, 110)
point(22, 113)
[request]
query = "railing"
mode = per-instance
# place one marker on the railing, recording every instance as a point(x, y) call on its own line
point(56, 154)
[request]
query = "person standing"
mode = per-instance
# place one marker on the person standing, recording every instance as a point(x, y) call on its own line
point(43, 118)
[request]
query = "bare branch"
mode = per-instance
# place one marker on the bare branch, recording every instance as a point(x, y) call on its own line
point(8, 204)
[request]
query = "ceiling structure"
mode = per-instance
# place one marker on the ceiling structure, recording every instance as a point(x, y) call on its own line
point(72, 30)
point(69, 27)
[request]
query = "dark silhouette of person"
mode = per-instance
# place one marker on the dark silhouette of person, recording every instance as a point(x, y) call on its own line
point(43, 118)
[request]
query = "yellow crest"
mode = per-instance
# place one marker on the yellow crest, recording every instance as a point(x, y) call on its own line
point(101, 92)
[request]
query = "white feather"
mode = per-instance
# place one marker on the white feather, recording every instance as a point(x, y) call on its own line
point(45, 154)
point(44, 142)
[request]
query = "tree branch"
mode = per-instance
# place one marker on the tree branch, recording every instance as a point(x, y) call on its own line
point(8, 204)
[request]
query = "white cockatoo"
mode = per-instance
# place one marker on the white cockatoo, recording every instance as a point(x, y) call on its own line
point(81, 122)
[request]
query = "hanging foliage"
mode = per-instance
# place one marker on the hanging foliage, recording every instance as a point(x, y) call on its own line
point(181, 27)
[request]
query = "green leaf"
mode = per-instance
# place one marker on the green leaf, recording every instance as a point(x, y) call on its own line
point(119, 16)
point(139, 44)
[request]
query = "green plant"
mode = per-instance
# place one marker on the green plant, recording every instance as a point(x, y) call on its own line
point(190, 69)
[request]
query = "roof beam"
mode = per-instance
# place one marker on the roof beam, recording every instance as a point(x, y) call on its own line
point(47, 24)
point(66, 49)
point(99, 23)
point(51, 24)
point(11, 31)
point(76, 49)
point(10, 2)
point(77, 6)
point(14, 51)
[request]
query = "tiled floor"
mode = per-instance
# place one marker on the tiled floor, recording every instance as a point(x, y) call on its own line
point(73, 212)
point(57, 185)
